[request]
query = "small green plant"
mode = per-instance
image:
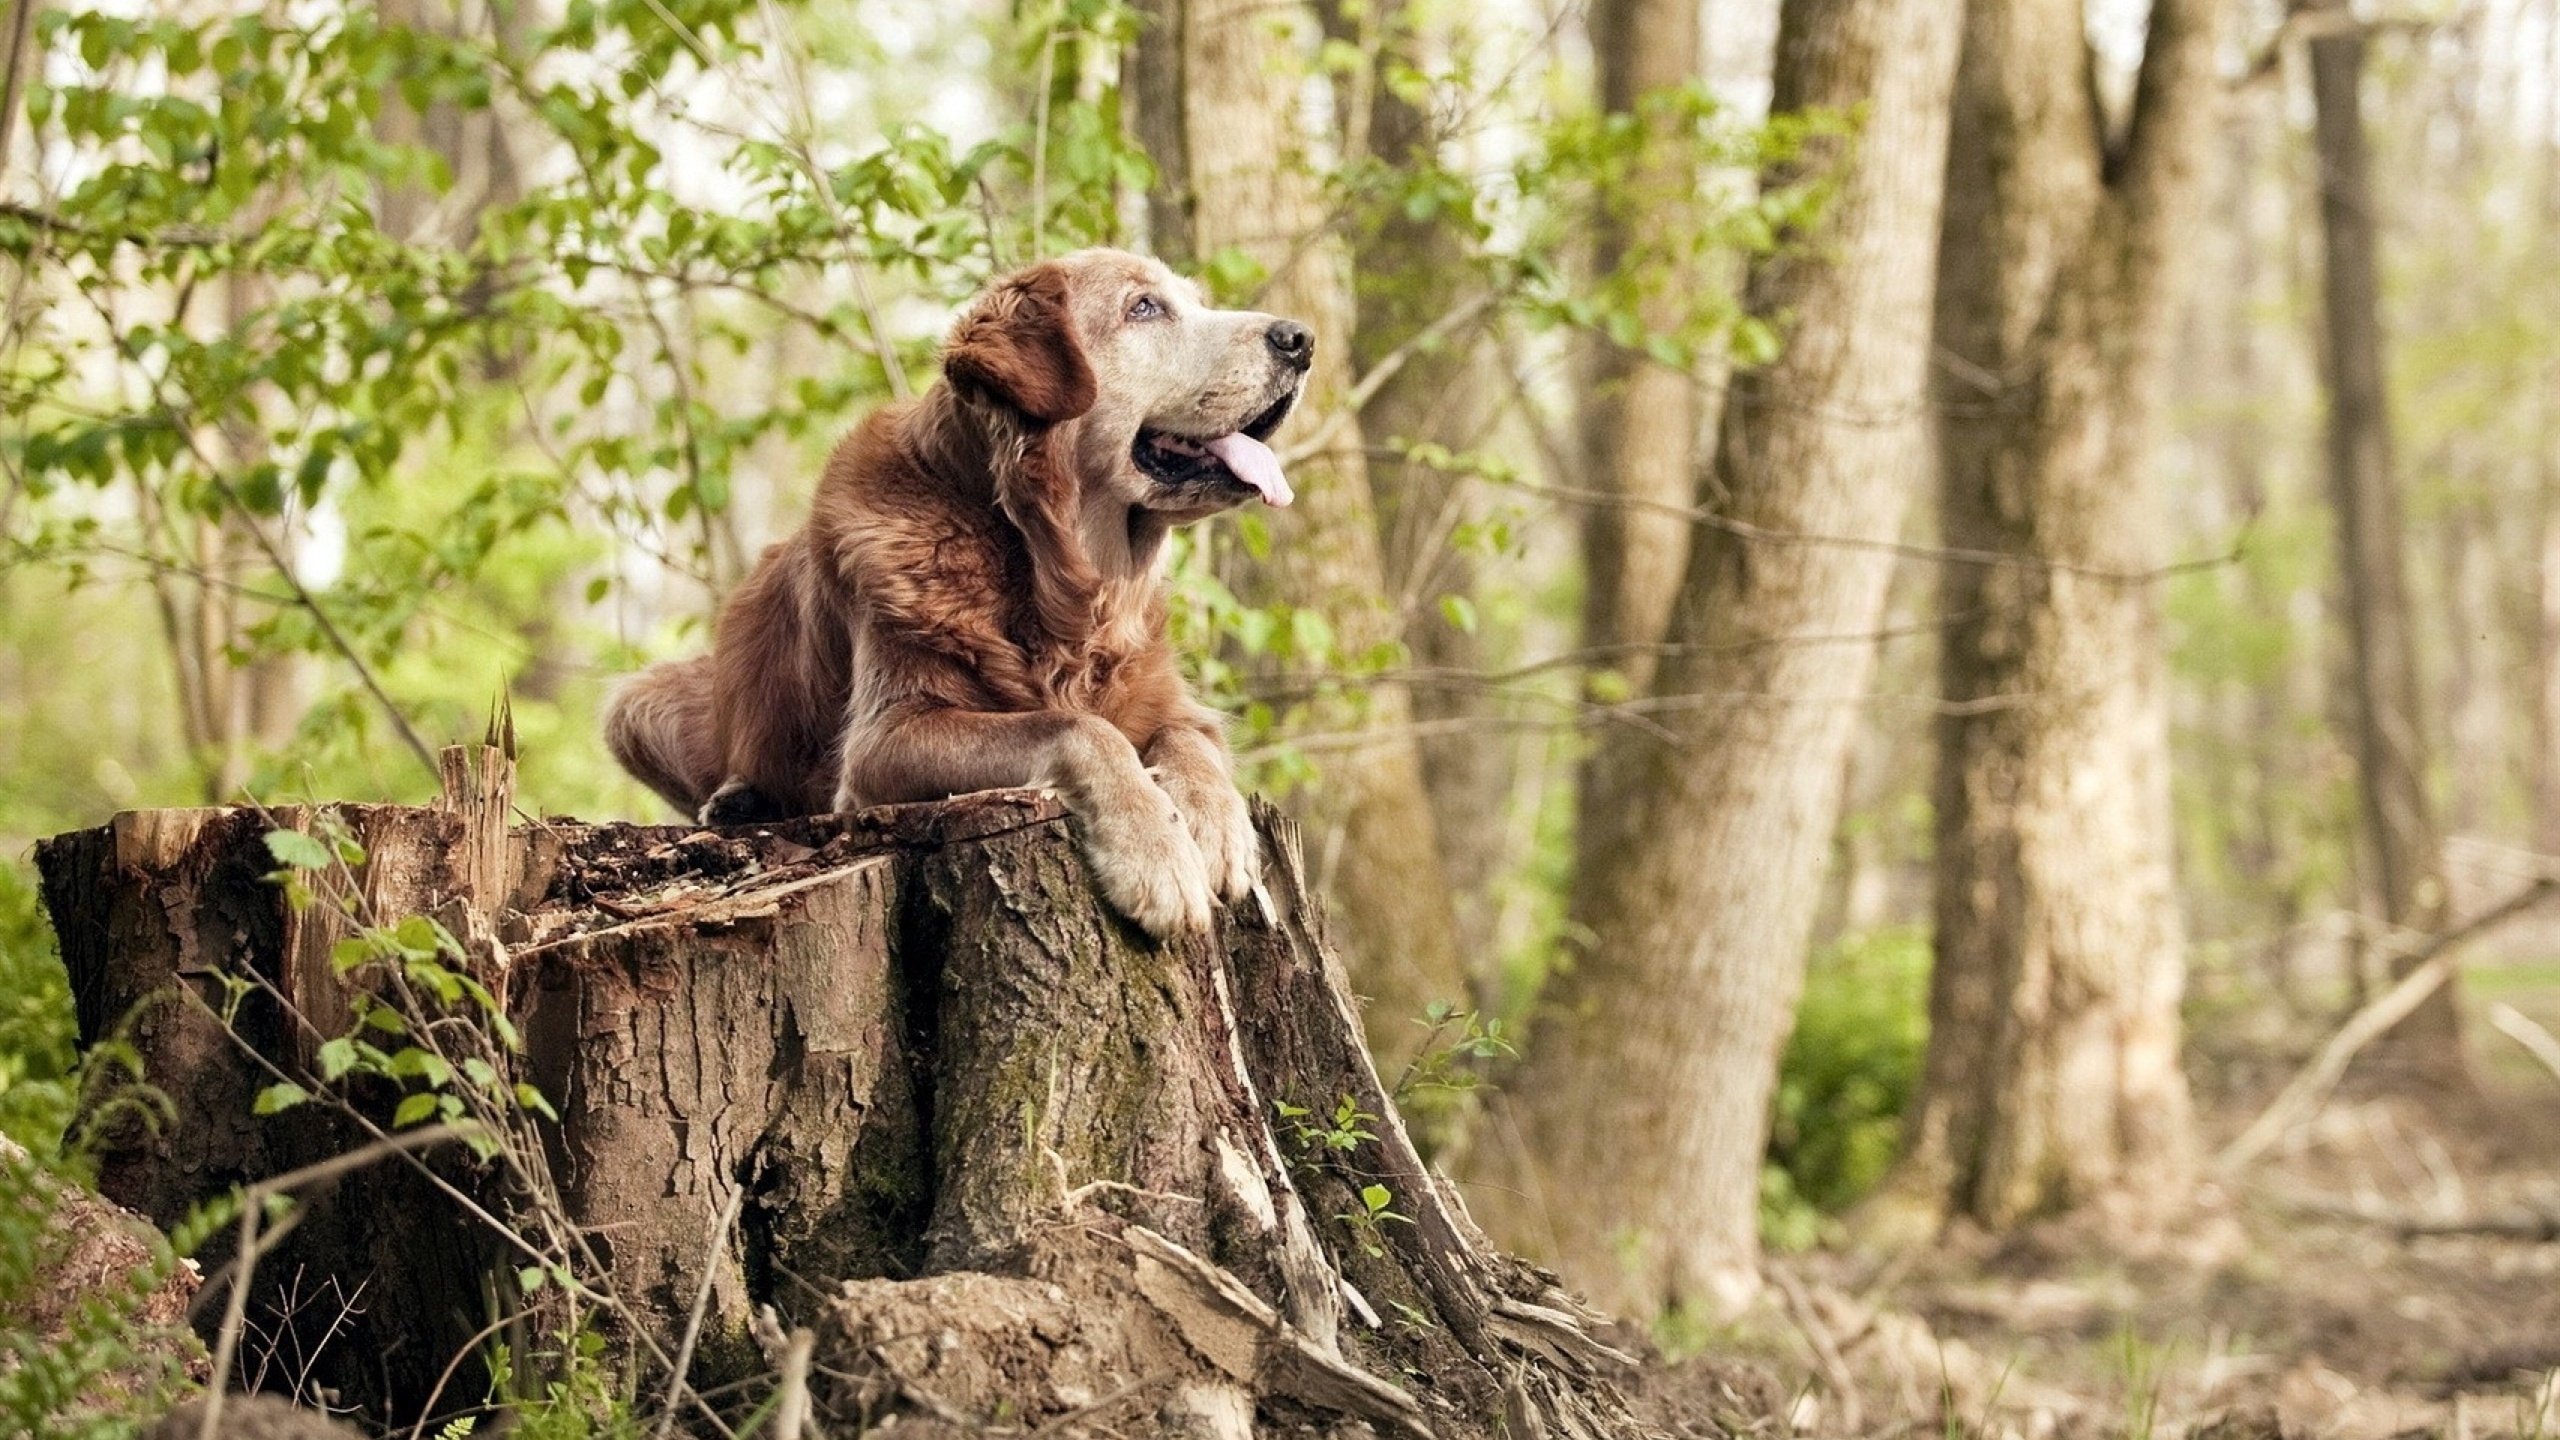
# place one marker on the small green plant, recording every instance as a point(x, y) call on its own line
point(1345, 1131)
point(1457, 1041)
point(581, 1399)
point(2143, 1367)
point(405, 1032)
point(1369, 1222)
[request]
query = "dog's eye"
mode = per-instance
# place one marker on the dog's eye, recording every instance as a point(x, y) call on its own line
point(1146, 307)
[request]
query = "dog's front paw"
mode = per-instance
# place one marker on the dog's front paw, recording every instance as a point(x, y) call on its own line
point(1147, 864)
point(1223, 829)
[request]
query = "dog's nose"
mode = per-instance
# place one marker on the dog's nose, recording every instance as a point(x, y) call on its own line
point(1292, 342)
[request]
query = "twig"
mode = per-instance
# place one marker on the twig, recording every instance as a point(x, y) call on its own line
point(2522, 1029)
point(1946, 554)
point(1040, 142)
point(1387, 368)
point(701, 1301)
point(253, 1200)
point(2431, 965)
point(267, 546)
point(791, 1392)
point(2519, 1224)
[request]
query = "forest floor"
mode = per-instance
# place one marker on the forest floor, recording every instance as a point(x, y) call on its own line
point(2392, 1268)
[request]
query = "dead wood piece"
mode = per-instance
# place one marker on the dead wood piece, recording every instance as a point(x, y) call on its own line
point(1230, 1326)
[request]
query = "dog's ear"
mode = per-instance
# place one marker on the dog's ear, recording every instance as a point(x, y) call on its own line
point(1017, 346)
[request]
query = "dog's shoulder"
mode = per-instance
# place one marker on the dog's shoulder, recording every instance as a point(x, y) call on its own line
point(928, 562)
point(902, 534)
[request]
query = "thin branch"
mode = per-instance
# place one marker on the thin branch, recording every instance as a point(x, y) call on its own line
point(2522, 1029)
point(1952, 555)
point(676, 1379)
point(253, 1200)
point(266, 544)
point(1388, 367)
point(181, 237)
point(2431, 965)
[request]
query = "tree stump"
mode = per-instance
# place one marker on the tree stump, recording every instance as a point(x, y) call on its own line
point(897, 1075)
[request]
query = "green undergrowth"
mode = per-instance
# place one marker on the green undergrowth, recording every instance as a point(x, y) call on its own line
point(1847, 1075)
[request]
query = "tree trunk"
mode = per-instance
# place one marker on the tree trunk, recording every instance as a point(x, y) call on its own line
point(1413, 273)
point(1216, 86)
point(1638, 1124)
point(2053, 1069)
point(1640, 416)
point(1054, 1165)
point(2400, 847)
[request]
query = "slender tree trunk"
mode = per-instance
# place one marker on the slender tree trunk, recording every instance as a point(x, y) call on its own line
point(2401, 845)
point(1216, 87)
point(2546, 734)
point(1413, 273)
point(1631, 1144)
point(2546, 749)
point(1640, 417)
point(17, 50)
point(2053, 1077)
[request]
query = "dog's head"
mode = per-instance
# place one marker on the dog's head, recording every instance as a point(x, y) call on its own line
point(1161, 400)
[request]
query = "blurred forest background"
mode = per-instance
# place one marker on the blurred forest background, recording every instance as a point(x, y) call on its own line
point(1898, 608)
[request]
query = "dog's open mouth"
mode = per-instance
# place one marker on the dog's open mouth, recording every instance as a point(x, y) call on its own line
point(1238, 459)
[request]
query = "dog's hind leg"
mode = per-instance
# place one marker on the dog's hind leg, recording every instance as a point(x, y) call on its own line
point(738, 802)
point(660, 726)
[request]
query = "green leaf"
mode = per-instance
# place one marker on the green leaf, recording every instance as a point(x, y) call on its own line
point(531, 1099)
point(414, 1109)
point(283, 1095)
point(295, 849)
point(1376, 1197)
point(337, 1057)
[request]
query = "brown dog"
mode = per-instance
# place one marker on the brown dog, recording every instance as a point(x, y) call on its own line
point(977, 600)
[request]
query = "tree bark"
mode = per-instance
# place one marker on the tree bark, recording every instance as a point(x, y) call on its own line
point(2053, 1070)
point(1640, 417)
point(2401, 847)
point(905, 1050)
point(1413, 274)
point(1216, 86)
point(1630, 1146)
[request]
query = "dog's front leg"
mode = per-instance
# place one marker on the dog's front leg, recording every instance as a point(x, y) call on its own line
point(1144, 857)
point(1191, 763)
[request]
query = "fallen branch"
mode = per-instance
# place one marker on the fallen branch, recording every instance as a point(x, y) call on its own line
point(1826, 1347)
point(2520, 1027)
point(2432, 964)
point(2530, 1226)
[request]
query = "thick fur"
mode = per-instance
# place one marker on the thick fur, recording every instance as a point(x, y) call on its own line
point(977, 598)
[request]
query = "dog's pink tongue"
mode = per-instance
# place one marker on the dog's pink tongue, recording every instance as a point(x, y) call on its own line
point(1255, 465)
